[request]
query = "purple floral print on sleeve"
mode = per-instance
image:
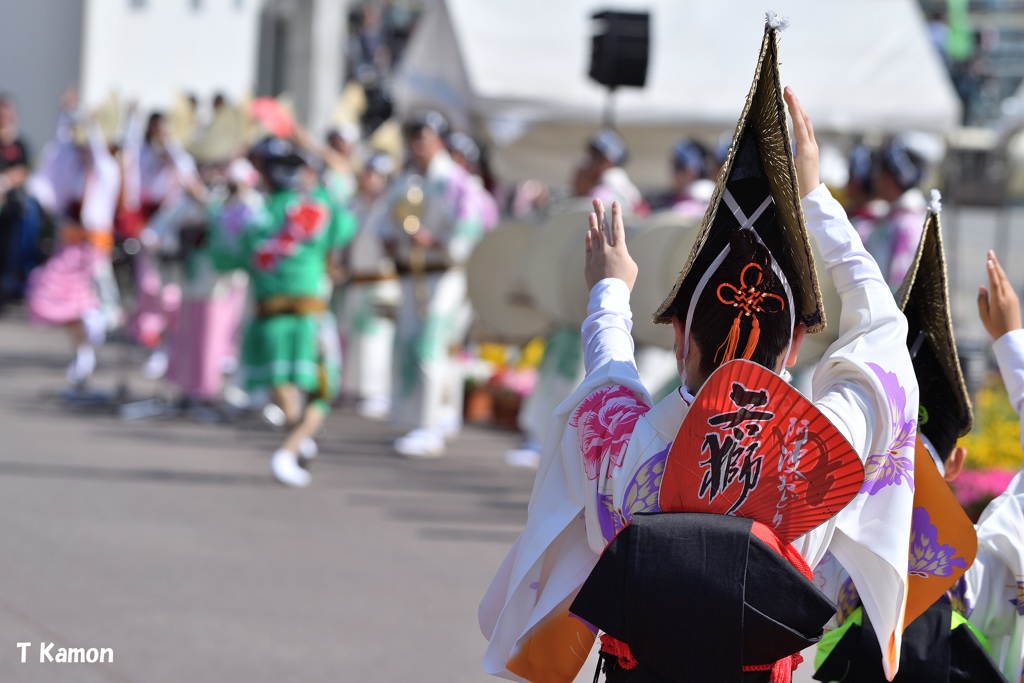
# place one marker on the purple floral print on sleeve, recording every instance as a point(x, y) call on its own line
point(890, 468)
point(928, 557)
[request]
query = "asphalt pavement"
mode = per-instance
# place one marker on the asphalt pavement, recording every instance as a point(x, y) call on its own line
point(166, 540)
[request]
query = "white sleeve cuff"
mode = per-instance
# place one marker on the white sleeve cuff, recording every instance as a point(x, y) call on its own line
point(612, 295)
point(1009, 351)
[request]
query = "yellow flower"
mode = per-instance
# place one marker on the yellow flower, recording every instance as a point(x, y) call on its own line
point(532, 354)
point(995, 439)
point(496, 354)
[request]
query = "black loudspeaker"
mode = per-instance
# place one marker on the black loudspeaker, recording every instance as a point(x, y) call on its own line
point(620, 48)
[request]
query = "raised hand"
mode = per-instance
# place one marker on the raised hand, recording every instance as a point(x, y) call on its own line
point(806, 146)
point(607, 255)
point(998, 306)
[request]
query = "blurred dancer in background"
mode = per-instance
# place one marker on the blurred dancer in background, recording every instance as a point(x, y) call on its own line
point(159, 178)
point(466, 153)
point(602, 175)
point(691, 190)
point(340, 173)
point(286, 247)
point(431, 227)
point(863, 208)
point(205, 339)
point(78, 183)
point(894, 240)
point(371, 289)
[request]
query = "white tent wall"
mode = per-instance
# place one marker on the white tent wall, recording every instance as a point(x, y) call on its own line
point(516, 73)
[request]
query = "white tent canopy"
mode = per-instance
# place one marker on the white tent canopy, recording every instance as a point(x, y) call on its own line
point(516, 73)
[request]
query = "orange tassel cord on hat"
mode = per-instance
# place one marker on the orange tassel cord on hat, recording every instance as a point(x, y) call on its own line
point(750, 302)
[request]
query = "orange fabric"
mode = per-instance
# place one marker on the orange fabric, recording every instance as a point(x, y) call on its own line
point(76, 234)
point(554, 652)
point(953, 529)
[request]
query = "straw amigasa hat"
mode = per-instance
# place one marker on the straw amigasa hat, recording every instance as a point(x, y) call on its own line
point(945, 413)
point(757, 189)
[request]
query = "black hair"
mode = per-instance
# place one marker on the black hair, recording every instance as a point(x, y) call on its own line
point(904, 165)
point(155, 117)
point(713, 319)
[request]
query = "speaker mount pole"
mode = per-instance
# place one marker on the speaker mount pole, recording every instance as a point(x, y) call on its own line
point(609, 109)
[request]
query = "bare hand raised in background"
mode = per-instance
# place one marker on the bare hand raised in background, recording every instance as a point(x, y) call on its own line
point(998, 306)
point(806, 146)
point(607, 255)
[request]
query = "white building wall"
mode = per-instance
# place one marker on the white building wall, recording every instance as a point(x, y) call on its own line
point(40, 50)
point(151, 50)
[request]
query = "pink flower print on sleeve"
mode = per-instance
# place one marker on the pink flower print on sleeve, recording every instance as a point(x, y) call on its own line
point(604, 421)
point(891, 468)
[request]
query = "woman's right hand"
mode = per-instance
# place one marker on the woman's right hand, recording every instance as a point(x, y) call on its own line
point(607, 255)
point(806, 146)
point(998, 306)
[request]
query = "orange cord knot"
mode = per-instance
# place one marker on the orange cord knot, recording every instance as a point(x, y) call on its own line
point(750, 301)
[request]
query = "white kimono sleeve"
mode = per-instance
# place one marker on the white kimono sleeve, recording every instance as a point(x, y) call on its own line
point(103, 185)
point(553, 555)
point(995, 582)
point(865, 385)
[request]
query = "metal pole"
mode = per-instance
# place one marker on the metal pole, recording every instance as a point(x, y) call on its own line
point(609, 109)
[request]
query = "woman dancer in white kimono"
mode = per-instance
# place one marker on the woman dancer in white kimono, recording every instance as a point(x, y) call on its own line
point(78, 183)
point(608, 435)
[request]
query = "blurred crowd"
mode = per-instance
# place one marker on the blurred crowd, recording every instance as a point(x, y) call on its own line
point(263, 268)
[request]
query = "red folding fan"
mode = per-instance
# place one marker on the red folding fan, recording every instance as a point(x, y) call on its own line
point(752, 446)
point(270, 113)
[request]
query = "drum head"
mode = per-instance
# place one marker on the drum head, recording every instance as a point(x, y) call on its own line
point(660, 247)
point(496, 279)
point(548, 256)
